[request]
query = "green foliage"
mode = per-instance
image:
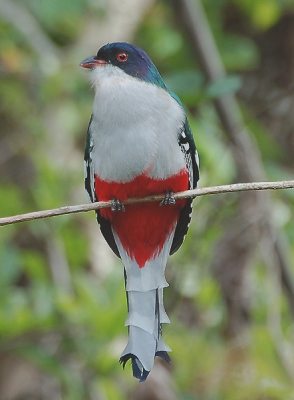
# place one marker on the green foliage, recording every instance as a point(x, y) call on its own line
point(264, 13)
point(239, 53)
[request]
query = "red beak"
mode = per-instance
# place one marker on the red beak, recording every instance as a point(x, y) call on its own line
point(92, 62)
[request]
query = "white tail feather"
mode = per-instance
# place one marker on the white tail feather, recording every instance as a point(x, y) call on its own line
point(144, 287)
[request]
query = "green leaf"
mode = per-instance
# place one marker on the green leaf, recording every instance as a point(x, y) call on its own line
point(184, 82)
point(223, 86)
point(238, 53)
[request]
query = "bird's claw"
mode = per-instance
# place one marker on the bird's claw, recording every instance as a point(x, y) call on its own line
point(116, 205)
point(169, 199)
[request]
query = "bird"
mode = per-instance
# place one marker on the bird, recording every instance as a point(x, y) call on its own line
point(139, 143)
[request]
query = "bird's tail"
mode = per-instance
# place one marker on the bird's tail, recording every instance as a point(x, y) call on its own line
point(146, 313)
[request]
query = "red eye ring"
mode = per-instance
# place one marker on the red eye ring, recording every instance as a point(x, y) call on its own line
point(122, 57)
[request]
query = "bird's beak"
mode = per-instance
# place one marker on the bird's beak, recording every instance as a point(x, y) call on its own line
point(92, 62)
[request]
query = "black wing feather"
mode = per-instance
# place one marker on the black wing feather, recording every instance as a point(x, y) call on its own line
point(104, 224)
point(186, 142)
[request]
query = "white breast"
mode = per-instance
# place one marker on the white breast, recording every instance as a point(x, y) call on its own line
point(134, 129)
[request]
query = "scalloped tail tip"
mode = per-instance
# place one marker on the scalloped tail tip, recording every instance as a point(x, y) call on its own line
point(139, 372)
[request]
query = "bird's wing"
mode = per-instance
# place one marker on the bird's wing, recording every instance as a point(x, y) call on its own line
point(90, 188)
point(187, 145)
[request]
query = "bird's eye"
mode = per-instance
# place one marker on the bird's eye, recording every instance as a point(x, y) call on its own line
point(122, 57)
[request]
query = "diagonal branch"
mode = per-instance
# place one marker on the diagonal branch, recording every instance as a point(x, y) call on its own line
point(191, 15)
point(237, 187)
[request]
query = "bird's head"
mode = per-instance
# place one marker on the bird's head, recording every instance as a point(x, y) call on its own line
point(129, 58)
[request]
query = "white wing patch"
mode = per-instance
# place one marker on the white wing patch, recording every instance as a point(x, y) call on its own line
point(188, 155)
point(89, 176)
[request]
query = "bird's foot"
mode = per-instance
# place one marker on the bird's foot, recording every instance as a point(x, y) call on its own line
point(116, 205)
point(169, 199)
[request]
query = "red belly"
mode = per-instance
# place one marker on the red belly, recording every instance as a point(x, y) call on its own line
point(143, 228)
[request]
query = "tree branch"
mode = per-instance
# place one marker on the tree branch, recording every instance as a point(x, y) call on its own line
point(248, 162)
point(237, 187)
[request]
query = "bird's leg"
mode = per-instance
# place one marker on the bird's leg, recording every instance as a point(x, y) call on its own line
point(116, 205)
point(169, 199)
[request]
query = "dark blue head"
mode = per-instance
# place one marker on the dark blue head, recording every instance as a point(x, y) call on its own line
point(131, 59)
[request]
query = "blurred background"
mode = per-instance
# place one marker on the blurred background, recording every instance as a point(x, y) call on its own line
point(231, 297)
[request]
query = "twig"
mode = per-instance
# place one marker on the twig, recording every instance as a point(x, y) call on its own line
point(237, 187)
